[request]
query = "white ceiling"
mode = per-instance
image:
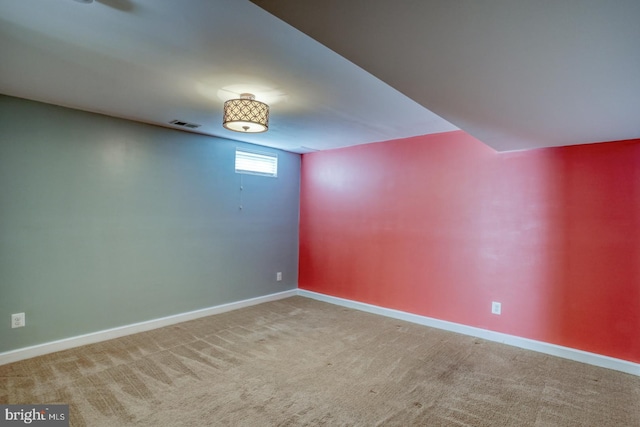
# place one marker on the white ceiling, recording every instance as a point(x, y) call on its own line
point(516, 74)
point(158, 60)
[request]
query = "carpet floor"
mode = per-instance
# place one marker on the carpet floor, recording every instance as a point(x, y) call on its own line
point(300, 362)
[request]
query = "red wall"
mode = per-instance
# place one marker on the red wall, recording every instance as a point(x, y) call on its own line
point(441, 225)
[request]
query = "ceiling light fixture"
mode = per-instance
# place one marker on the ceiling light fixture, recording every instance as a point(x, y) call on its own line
point(245, 114)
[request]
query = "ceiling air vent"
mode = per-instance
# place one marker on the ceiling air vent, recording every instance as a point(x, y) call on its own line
point(184, 124)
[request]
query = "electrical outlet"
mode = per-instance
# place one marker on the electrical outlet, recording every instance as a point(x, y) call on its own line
point(279, 276)
point(17, 320)
point(496, 308)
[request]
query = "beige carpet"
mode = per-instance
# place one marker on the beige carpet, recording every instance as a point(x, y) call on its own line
point(301, 362)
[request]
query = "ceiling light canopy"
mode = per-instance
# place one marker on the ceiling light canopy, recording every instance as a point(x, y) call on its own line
point(245, 114)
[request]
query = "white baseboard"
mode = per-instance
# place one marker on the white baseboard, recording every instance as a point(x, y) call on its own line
point(94, 337)
point(539, 346)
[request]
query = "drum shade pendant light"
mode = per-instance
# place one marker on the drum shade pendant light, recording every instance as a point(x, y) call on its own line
point(245, 114)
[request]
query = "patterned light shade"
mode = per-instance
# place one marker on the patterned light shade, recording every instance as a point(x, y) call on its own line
point(246, 114)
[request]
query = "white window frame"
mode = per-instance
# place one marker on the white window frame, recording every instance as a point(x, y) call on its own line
point(254, 162)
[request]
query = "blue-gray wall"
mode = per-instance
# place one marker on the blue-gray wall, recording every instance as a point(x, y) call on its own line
point(106, 222)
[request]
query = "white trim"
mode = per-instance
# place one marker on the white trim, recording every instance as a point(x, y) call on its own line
point(94, 337)
point(539, 346)
point(528, 344)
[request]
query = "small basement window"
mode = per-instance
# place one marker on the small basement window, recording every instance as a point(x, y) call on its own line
point(256, 163)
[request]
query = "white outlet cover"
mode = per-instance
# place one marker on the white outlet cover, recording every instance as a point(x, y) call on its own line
point(17, 320)
point(496, 307)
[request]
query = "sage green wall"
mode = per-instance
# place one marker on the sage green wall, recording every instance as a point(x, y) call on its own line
point(106, 222)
